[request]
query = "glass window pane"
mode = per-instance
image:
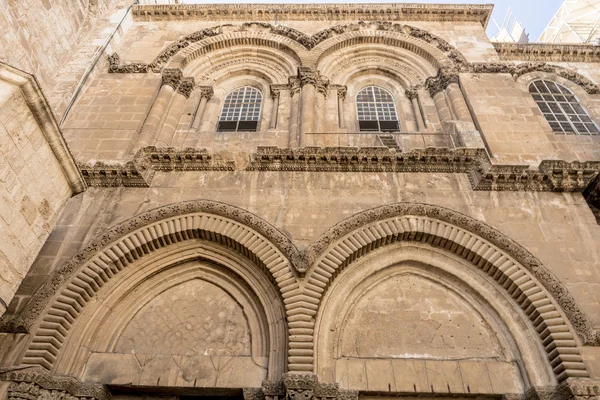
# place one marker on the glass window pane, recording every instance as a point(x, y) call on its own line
point(243, 104)
point(375, 104)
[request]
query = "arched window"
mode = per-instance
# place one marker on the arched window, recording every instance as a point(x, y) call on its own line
point(376, 110)
point(241, 110)
point(561, 109)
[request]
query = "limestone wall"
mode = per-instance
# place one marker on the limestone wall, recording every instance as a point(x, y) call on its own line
point(34, 182)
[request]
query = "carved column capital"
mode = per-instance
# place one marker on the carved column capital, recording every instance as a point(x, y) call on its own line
point(307, 76)
point(322, 85)
point(253, 394)
point(186, 86)
point(206, 92)
point(412, 93)
point(294, 85)
point(342, 90)
point(276, 90)
point(171, 77)
point(440, 82)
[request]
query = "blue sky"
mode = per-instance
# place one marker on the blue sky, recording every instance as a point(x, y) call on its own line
point(534, 15)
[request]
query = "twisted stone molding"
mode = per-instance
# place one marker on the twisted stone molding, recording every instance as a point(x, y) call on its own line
point(33, 383)
point(316, 12)
point(307, 42)
point(520, 274)
point(58, 303)
point(548, 52)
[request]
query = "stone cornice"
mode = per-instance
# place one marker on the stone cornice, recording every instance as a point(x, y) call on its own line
point(551, 175)
point(315, 12)
point(549, 52)
point(44, 117)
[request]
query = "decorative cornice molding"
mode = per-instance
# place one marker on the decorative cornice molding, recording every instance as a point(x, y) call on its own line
point(188, 159)
point(115, 66)
point(570, 389)
point(548, 52)
point(44, 117)
point(308, 42)
point(517, 70)
point(102, 174)
point(315, 12)
point(33, 383)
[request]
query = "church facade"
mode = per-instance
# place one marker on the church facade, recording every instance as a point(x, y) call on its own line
point(309, 202)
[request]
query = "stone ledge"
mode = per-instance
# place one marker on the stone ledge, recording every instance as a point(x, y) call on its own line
point(315, 12)
point(549, 176)
point(548, 52)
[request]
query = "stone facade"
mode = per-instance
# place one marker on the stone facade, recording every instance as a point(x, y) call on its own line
point(298, 256)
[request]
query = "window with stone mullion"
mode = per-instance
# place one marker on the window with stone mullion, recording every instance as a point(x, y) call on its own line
point(561, 109)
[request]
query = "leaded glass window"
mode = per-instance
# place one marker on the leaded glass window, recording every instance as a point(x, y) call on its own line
point(241, 110)
point(376, 110)
point(561, 109)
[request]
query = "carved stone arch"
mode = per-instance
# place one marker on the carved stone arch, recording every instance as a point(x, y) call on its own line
point(431, 48)
point(53, 309)
point(287, 49)
point(134, 314)
point(538, 293)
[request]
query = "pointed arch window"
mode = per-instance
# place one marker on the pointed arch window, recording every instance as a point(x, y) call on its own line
point(241, 110)
point(561, 109)
point(376, 110)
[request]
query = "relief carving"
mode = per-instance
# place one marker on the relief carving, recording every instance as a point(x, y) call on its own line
point(186, 86)
point(206, 92)
point(172, 77)
point(440, 82)
point(114, 66)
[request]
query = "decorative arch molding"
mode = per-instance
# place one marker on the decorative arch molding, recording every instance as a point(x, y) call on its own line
point(431, 47)
point(75, 282)
point(518, 70)
point(533, 287)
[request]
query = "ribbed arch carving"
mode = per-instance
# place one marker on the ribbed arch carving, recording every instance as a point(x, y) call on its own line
point(512, 267)
point(53, 310)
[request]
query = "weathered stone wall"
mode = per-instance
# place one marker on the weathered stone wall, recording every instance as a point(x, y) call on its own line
point(33, 190)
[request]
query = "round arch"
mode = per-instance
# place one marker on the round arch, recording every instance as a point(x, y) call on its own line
point(550, 309)
point(55, 308)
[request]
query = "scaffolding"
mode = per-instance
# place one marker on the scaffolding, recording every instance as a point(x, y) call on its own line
point(577, 21)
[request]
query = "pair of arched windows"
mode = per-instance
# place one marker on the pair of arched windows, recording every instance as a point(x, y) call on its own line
point(375, 109)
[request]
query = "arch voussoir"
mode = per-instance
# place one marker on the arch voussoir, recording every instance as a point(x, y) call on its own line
point(54, 310)
point(533, 288)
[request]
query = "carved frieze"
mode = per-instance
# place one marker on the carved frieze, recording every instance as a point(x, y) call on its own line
point(36, 383)
point(114, 66)
point(548, 52)
point(102, 174)
point(188, 159)
point(186, 86)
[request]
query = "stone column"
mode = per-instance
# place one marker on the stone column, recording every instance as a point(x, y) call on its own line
point(308, 81)
point(206, 93)
point(182, 94)
point(457, 100)
point(413, 96)
point(189, 111)
point(170, 81)
point(275, 94)
point(294, 132)
point(341, 96)
point(321, 89)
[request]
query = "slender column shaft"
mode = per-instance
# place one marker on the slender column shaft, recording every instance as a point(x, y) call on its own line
point(459, 105)
point(189, 111)
point(274, 110)
point(307, 110)
point(294, 139)
point(442, 107)
point(151, 125)
point(206, 93)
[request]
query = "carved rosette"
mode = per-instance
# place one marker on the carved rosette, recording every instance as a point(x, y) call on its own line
point(171, 77)
point(206, 92)
point(186, 86)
